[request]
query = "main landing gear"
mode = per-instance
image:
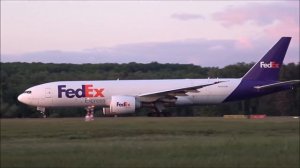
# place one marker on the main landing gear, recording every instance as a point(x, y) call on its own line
point(158, 110)
point(89, 113)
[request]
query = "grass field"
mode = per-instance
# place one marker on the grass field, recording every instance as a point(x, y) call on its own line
point(150, 142)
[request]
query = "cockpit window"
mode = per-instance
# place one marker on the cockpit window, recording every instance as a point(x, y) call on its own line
point(28, 92)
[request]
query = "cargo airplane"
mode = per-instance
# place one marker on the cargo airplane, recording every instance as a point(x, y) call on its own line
point(125, 96)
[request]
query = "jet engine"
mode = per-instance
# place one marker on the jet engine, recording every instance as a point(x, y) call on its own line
point(122, 105)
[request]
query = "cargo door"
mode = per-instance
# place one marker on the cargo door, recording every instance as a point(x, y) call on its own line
point(47, 100)
point(48, 93)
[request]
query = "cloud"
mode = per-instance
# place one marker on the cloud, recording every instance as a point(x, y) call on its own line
point(260, 14)
point(244, 43)
point(274, 20)
point(216, 47)
point(216, 53)
point(186, 16)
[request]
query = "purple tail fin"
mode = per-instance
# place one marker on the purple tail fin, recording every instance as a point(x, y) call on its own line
point(269, 66)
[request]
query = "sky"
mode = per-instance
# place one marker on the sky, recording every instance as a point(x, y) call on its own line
point(205, 33)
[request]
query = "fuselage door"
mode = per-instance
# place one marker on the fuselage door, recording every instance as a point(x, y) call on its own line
point(48, 93)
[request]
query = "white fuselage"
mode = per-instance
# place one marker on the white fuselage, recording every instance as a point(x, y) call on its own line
point(99, 93)
point(125, 96)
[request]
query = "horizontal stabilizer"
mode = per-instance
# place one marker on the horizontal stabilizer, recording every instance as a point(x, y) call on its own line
point(278, 84)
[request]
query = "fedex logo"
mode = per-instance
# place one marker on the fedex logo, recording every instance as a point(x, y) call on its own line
point(84, 91)
point(125, 104)
point(272, 64)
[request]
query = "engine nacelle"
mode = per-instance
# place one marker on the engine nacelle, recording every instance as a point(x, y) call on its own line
point(122, 105)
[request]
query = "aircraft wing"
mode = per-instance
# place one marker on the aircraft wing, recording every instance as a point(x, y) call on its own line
point(278, 84)
point(171, 94)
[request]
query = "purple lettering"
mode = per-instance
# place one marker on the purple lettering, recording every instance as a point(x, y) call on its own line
point(84, 91)
point(70, 93)
point(60, 90)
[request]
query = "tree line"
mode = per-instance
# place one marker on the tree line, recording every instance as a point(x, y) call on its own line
point(16, 77)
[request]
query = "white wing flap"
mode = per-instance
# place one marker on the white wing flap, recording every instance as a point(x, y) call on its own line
point(174, 92)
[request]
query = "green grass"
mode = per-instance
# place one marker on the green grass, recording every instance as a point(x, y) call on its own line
point(150, 142)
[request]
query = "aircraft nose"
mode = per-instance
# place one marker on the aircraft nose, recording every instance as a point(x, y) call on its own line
point(22, 98)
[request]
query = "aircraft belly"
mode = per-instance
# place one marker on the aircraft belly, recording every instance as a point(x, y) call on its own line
point(184, 100)
point(214, 94)
point(45, 102)
point(208, 99)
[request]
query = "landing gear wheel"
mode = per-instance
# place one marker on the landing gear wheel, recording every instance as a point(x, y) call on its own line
point(158, 108)
point(89, 113)
point(42, 111)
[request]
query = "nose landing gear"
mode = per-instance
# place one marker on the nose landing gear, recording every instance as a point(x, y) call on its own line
point(42, 111)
